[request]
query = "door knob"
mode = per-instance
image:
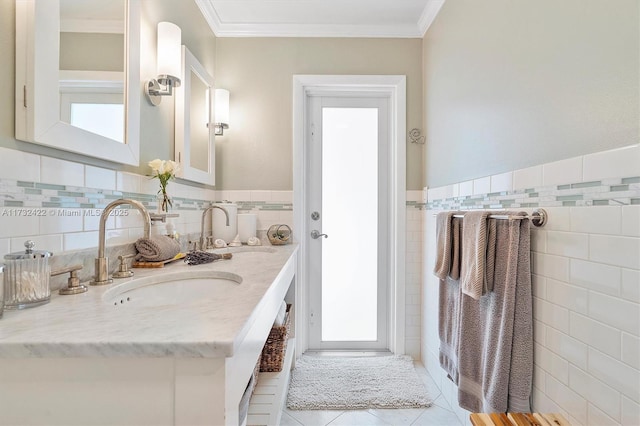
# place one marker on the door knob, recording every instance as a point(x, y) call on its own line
point(315, 235)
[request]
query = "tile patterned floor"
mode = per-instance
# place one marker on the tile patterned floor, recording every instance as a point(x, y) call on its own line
point(439, 414)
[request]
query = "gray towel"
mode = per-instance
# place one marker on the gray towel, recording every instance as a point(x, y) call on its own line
point(474, 255)
point(495, 347)
point(443, 245)
point(157, 248)
point(447, 247)
point(449, 306)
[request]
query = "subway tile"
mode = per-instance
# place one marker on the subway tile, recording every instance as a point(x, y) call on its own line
point(538, 240)
point(631, 221)
point(80, 240)
point(466, 188)
point(567, 399)
point(631, 350)
point(5, 247)
point(19, 165)
point(128, 182)
point(542, 403)
point(631, 284)
point(568, 244)
point(61, 172)
point(616, 374)
point(18, 226)
point(551, 314)
point(52, 243)
point(615, 312)
point(287, 196)
point(622, 162)
point(613, 250)
point(117, 237)
point(539, 376)
point(571, 297)
point(630, 412)
point(502, 182)
point(260, 196)
point(137, 233)
point(559, 219)
point(596, 392)
point(410, 195)
point(563, 171)
point(61, 220)
point(596, 416)
point(551, 266)
point(597, 220)
point(482, 185)
point(567, 347)
point(539, 332)
point(539, 286)
point(91, 220)
point(127, 218)
point(97, 177)
point(595, 276)
point(596, 334)
point(530, 177)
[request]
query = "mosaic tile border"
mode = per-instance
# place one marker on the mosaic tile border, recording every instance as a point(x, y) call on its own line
point(605, 192)
point(24, 194)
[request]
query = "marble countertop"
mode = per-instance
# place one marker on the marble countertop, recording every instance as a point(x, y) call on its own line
point(88, 325)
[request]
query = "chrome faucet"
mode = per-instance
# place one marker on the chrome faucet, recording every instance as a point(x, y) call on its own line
point(102, 262)
point(204, 214)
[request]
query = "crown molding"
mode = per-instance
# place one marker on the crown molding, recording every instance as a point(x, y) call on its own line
point(312, 30)
point(319, 30)
point(429, 13)
point(210, 15)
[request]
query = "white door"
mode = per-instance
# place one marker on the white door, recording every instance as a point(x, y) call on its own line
point(347, 218)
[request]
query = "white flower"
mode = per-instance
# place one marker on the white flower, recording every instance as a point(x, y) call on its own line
point(157, 165)
point(171, 167)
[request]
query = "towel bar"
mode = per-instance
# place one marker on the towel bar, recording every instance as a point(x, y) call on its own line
point(538, 217)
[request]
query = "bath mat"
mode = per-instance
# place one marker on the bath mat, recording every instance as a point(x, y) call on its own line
point(336, 383)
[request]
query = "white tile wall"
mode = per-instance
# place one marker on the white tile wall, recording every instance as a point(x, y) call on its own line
point(610, 164)
point(19, 165)
point(97, 177)
point(61, 172)
point(530, 177)
point(586, 286)
point(561, 172)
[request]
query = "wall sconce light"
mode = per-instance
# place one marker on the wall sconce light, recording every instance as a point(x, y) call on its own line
point(169, 63)
point(222, 111)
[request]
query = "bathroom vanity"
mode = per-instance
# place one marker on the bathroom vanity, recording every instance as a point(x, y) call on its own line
point(175, 345)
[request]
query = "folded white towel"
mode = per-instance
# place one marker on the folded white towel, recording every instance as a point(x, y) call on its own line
point(279, 322)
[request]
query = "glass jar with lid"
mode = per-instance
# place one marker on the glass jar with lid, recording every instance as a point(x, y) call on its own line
point(26, 278)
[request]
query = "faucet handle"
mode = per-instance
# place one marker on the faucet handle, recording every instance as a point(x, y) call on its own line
point(123, 271)
point(73, 282)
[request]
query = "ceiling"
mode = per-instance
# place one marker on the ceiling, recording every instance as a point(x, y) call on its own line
point(319, 18)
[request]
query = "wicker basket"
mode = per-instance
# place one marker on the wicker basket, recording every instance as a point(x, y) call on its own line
point(276, 345)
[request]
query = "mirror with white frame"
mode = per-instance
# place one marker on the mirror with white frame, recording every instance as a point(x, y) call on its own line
point(77, 76)
point(194, 148)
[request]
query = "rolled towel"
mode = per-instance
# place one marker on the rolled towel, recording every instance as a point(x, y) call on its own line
point(279, 322)
point(156, 248)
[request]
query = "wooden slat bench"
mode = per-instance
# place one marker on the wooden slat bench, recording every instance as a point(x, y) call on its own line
point(518, 419)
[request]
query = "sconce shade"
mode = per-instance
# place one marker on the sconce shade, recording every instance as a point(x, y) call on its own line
point(169, 50)
point(222, 106)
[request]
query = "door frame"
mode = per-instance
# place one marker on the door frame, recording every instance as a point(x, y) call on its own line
point(395, 87)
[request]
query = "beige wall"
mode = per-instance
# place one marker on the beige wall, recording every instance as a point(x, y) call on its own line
point(157, 129)
point(256, 152)
point(510, 84)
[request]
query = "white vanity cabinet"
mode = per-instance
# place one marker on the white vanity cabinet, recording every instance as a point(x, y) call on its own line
point(82, 376)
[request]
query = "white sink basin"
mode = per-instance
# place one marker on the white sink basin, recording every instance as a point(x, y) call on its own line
point(177, 288)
